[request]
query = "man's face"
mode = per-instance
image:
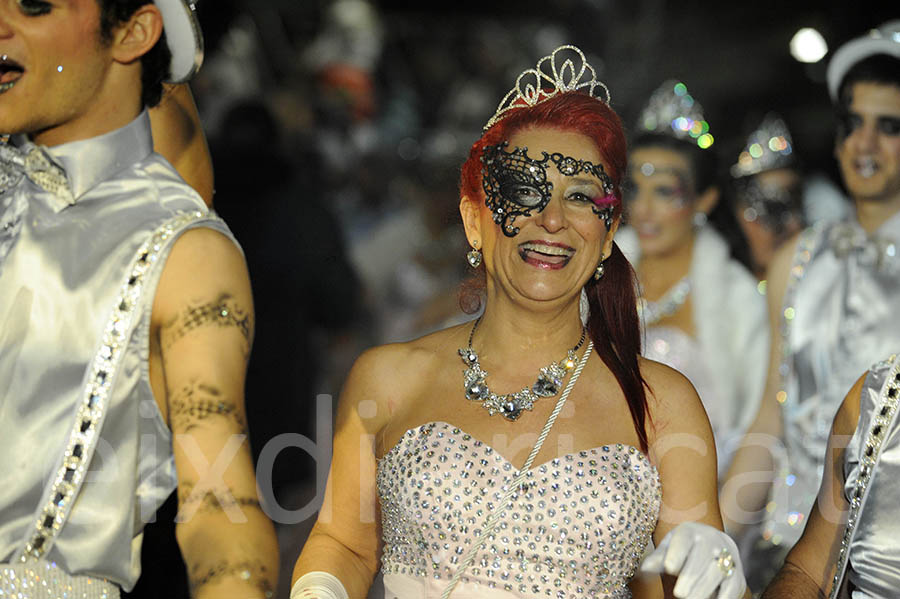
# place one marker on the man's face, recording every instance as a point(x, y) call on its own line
point(869, 154)
point(54, 71)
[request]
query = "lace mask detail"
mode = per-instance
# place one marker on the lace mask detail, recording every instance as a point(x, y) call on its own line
point(515, 184)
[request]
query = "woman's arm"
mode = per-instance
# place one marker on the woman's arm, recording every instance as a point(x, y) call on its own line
point(682, 447)
point(345, 540)
point(178, 136)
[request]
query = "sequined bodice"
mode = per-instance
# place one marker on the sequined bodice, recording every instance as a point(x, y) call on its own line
point(578, 528)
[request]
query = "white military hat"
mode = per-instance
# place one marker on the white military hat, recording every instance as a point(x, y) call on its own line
point(883, 40)
point(184, 38)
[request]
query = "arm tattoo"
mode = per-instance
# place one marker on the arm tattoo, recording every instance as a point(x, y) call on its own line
point(224, 311)
point(214, 500)
point(196, 402)
point(253, 572)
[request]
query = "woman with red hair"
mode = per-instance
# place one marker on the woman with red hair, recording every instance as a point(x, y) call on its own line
point(496, 475)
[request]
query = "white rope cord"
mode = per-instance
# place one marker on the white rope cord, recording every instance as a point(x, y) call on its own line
point(494, 517)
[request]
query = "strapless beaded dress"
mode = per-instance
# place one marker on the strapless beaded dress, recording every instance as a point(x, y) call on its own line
point(578, 528)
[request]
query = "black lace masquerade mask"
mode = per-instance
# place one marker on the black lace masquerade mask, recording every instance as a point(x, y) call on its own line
point(515, 184)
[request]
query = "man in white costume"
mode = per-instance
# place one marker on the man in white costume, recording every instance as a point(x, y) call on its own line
point(832, 293)
point(125, 316)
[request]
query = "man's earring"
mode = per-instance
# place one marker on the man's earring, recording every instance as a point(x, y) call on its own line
point(700, 219)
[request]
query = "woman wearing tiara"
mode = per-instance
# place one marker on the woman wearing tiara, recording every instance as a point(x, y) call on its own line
point(701, 308)
point(766, 186)
point(469, 487)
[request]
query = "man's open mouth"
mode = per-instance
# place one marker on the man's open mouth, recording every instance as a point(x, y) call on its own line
point(10, 73)
point(867, 167)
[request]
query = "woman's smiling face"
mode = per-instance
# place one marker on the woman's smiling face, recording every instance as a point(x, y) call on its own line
point(661, 201)
point(555, 180)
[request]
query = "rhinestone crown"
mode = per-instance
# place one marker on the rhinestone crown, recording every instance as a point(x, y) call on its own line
point(769, 147)
point(553, 75)
point(673, 111)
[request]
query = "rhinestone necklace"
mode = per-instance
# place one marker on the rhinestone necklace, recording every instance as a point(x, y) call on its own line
point(511, 405)
point(667, 305)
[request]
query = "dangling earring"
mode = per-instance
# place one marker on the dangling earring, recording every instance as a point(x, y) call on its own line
point(474, 257)
point(598, 273)
point(700, 219)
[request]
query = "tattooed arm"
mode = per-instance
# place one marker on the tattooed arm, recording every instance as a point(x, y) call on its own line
point(201, 334)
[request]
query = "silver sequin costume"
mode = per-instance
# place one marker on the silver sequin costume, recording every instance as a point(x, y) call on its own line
point(577, 529)
point(837, 320)
point(872, 488)
point(78, 276)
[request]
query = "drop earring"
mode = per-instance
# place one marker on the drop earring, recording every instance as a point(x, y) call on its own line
point(598, 273)
point(474, 257)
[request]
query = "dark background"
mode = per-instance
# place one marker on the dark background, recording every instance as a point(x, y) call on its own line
point(733, 56)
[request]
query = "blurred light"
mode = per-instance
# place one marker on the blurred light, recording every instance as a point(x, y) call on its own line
point(808, 45)
point(789, 313)
point(705, 140)
point(781, 396)
point(762, 286)
point(756, 150)
point(409, 149)
point(680, 89)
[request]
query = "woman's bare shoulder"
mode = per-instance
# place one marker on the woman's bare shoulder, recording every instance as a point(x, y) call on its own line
point(395, 371)
point(664, 380)
point(670, 394)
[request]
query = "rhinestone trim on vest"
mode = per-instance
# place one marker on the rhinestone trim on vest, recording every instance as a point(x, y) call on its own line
point(871, 452)
point(61, 492)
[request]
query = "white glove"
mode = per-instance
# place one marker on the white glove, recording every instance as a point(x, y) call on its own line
point(704, 560)
point(318, 585)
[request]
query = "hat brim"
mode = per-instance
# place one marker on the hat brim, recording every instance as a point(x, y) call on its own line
point(185, 40)
point(853, 52)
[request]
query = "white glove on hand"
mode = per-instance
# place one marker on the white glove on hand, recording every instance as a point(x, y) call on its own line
point(704, 560)
point(318, 585)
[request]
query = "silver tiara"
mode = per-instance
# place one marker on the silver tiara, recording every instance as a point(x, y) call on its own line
point(552, 76)
point(769, 147)
point(672, 111)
